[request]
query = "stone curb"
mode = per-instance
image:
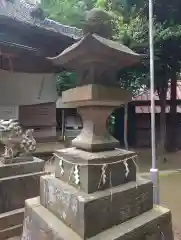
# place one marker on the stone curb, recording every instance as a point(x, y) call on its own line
point(162, 172)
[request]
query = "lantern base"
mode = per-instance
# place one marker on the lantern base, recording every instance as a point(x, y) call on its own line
point(40, 223)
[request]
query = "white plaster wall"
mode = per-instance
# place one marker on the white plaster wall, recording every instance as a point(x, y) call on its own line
point(45, 133)
point(9, 112)
point(26, 89)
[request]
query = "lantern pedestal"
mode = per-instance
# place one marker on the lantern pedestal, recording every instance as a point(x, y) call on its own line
point(43, 224)
point(95, 103)
point(95, 193)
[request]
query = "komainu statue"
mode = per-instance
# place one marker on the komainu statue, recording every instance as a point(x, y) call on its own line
point(16, 141)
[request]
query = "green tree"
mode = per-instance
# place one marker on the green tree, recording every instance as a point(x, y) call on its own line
point(134, 33)
point(68, 12)
point(65, 81)
point(167, 23)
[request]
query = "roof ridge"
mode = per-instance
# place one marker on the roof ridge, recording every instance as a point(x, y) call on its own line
point(20, 10)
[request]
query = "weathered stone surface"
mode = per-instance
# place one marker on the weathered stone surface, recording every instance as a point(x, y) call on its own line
point(155, 223)
point(96, 95)
point(42, 224)
point(110, 207)
point(95, 103)
point(94, 137)
point(11, 223)
point(19, 180)
point(12, 218)
point(24, 167)
point(15, 190)
point(90, 175)
point(39, 223)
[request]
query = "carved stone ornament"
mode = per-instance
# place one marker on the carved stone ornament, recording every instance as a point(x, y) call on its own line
point(15, 140)
point(98, 21)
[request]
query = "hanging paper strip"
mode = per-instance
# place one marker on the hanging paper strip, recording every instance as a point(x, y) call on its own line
point(61, 167)
point(76, 174)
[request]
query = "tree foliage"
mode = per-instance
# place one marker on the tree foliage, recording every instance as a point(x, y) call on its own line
point(68, 12)
point(65, 81)
point(130, 21)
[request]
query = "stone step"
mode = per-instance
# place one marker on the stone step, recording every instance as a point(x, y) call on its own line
point(12, 218)
point(110, 207)
point(15, 190)
point(18, 168)
point(16, 159)
point(117, 171)
point(11, 232)
point(40, 223)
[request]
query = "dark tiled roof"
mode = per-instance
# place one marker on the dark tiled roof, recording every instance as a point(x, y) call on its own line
point(20, 10)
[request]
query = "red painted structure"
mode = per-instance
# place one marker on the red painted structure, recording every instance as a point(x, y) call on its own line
point(143, 117)
point(142, 101)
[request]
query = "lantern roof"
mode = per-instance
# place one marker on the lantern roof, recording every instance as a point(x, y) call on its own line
point(93, 48)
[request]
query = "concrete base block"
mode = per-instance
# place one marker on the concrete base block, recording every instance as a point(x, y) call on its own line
point(13, 193)
point(40, 223)
point(11, 219)
point(110, 207)
point(11, 223)
point(19, 180)
point(15, 190)
point(27, 165)
point(11, 232)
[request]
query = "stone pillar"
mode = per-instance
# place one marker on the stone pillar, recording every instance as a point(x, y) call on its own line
point(94, 135)
point(95, 103)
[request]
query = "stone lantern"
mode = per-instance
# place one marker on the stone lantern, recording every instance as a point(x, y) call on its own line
point(94, 193)
point(96, 61)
